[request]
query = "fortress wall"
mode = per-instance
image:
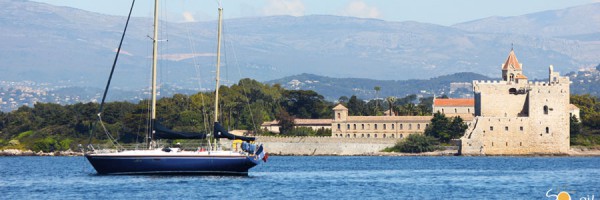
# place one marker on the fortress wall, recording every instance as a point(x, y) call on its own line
point(495, 100)
point(321, 145)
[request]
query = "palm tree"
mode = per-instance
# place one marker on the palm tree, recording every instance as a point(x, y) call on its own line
point(391, 100)
point(377, 89)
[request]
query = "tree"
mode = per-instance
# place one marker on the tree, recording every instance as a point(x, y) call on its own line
point(443, 129)
point(415, 143)
point(356, 106)
point(343, 100)
point(438, 128)
point(377, 89)
point(391, 100)
point(457, 128)
point(286, 122)
point(574, 127)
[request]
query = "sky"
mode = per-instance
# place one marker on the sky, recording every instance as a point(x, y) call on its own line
point(441, 12)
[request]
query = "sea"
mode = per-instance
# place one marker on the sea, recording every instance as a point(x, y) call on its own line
point(316, 177)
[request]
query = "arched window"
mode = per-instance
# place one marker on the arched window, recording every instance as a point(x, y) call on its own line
point(375, 126)
point(455, 110)
point(348, 127)
point(339, 126)
point(401, 126)
point(512, 91)
point(339, 116)
point(418, 126)
point(547, 130)
point(545, 110)
point(363, 126)
point(354, 126)
point(375, 135)
point(384, 135)
point(409, 126)
point(368, 135)
point(384, 127)
point(392, 126)
point(355, 135)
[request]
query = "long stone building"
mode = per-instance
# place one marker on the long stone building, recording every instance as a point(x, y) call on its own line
point(389, 126)
point(515, 116)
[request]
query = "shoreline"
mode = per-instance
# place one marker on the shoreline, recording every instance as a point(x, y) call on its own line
point(577, 151)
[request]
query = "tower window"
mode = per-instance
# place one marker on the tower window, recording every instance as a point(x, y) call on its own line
point(491, 128)
point(547, 130)
point(521, 128)
point(339, 116)
point(545, 110)
point(506, 128)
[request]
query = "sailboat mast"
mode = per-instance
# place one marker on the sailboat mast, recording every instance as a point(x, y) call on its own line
point(218, 63)
point(154, 62)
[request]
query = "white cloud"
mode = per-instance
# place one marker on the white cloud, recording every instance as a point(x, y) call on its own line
point(284, 7)
point(361, 9)
point(188, 17)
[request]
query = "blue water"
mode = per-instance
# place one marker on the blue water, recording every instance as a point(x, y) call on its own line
point(315, 178)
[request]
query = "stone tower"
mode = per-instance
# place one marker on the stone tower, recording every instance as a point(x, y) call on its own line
point(514, 116)
point(340, 113)
point(512, 70)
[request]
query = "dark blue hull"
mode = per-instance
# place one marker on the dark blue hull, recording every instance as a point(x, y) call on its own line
point(119, 164)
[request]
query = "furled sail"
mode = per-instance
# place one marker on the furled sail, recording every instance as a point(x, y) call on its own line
point(163, 132)
point(220, 132)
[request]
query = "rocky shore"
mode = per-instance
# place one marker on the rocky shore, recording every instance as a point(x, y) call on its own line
point(17, 152)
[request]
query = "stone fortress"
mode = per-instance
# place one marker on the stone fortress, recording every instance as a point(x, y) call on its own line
point(516, 117)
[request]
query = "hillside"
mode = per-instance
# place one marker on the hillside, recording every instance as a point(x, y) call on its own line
point(73, 47)
point(579, 20)
point(333, 88)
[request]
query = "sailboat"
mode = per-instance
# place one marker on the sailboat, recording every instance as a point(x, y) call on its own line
point(156, 160)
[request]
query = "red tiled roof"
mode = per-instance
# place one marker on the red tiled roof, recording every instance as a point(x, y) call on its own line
point(512, 62)
point(454, 102)
point(520, 76)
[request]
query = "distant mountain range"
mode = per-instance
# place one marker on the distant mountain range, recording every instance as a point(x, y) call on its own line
point(455, 85)
point(64, 45)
